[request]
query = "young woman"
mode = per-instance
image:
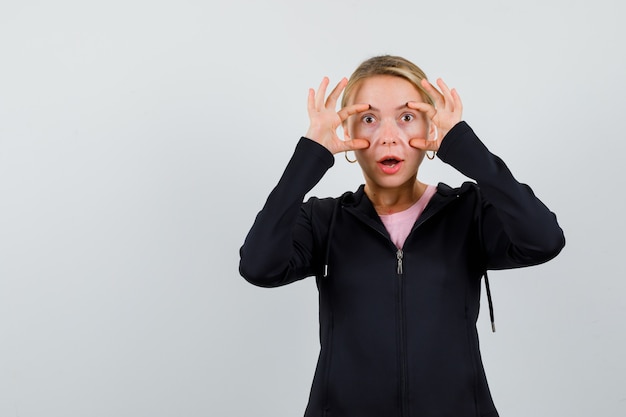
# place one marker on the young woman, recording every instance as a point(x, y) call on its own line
point(398, 263)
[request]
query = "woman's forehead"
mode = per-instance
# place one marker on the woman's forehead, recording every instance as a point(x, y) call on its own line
point(384, 91)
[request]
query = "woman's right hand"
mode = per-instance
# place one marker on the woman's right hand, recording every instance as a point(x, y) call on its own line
point(325, 119)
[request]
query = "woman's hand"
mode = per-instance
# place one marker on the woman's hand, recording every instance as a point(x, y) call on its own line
point(446, 113)
point(325, 119)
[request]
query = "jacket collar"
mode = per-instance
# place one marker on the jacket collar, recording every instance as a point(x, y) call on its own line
point(361, 206)
point(358, 200)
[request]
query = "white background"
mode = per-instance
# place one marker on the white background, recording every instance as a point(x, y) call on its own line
point(139, 138)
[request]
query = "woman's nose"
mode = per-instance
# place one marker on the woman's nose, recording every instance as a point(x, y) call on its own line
point(388, 133)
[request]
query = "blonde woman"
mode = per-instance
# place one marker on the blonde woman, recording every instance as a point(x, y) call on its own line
point(398, 262)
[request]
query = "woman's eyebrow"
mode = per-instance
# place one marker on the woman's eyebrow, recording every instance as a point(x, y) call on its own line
point(400, 107)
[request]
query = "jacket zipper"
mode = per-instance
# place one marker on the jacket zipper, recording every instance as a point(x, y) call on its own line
point(401, 324)
point(404, 383)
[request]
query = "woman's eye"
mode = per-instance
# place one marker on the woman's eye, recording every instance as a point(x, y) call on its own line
point(368, 119)
point(407, 117)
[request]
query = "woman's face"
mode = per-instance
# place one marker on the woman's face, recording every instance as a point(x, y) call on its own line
point(388, 125)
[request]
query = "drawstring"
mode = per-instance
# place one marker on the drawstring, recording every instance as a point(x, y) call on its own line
point(487, 287)
point(490, 302)
point(331, 227)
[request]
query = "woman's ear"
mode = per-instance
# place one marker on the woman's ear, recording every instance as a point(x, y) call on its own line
point(432, 131)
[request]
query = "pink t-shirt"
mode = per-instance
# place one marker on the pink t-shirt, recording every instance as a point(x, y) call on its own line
point(399, 224)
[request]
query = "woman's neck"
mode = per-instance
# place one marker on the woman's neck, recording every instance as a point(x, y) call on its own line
point(394, 200)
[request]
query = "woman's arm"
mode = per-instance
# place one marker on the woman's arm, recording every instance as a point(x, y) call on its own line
point(517, 228)
point(279, 247)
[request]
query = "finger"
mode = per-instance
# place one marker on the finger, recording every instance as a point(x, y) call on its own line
point(424, 144)
point(448, 99)
point(351, 110)
point(331, 102)
point(458, 104)
point(355, 144)
point(321, 93)
point(310, 104)
point(437, 97)
point(428, 109)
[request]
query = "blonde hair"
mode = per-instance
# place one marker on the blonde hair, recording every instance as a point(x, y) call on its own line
point(387, 65)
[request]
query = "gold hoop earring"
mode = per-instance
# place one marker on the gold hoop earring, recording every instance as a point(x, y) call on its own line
point(345, 154)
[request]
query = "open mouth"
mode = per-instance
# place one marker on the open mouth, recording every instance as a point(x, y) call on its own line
point(390, 162)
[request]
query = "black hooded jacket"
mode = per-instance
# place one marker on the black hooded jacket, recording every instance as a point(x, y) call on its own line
point(398, 327)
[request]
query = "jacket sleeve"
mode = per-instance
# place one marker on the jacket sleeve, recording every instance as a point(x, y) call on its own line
point(517, 228)
point(279, 247)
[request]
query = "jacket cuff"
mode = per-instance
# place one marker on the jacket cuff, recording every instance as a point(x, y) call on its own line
point(450, 141)
point(312, 148)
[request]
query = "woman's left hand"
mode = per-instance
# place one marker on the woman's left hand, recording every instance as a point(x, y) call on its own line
point(446, 113)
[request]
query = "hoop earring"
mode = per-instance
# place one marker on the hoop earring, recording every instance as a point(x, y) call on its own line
point(345, 154)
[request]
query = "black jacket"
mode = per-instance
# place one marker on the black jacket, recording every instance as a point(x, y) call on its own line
point(398, 327)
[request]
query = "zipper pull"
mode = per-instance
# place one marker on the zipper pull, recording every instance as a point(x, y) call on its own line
point(399, 255)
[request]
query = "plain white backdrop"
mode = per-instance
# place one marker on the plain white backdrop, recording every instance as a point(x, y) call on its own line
point(138, 140)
